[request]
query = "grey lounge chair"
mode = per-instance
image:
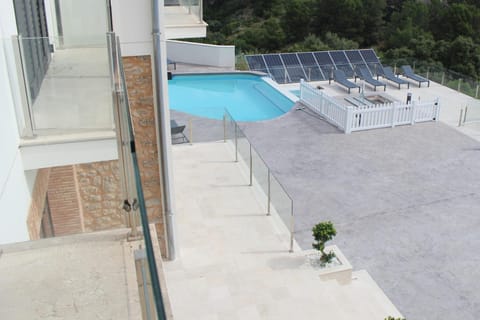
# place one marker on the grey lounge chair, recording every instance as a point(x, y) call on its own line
point(169, 61)
point(176, 132)
point(387, 73)
point(408, 72)
point(340, 77)
point(365, 75)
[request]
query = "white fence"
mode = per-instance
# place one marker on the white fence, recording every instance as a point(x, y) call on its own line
point(349, 118)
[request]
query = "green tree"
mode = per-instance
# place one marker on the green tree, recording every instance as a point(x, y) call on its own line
point(297, 21)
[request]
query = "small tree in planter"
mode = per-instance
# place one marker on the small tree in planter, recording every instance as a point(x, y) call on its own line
point(323, 232)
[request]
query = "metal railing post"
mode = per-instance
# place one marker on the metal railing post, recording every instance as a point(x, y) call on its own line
point(190, 130)
point(443, 78)
point(461, 117)
point(292, 226)
point(465, 114)
point(251, 167)
point(224, 128)
point(476, 92)
point(268, 192)
point(459, 84)
point(236, 142)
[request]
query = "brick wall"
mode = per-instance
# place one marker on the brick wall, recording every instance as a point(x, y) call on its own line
point(39, 194)
point(138, 73)
point(64, 202)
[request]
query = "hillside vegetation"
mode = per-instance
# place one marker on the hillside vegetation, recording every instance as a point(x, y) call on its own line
point(445, 33)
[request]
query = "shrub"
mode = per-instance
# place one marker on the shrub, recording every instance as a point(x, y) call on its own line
point(323, 232)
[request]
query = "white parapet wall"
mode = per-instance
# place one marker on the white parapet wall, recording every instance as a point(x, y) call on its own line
point(201, 54)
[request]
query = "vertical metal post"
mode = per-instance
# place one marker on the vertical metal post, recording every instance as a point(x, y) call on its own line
point(443, 78)
point(461, 117)
point(109, 16)
point(428, 73)
point(268, 192)
point(224, 128)
point(476, 92)
point(251, 167)
point(119, 101)
point(236, 143)
point(190, 130)
point(28, 110)
point(292, 226)
point(459, 84)
point(465, 114)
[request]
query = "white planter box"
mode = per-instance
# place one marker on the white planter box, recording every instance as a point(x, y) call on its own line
point(340, 271)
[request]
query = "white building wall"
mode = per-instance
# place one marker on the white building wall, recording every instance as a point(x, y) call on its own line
point(132, 22)
point(201, 53)
point(14, 192)
point(84, 23)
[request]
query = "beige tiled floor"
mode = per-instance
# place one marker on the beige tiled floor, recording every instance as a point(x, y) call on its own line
point(234, 261)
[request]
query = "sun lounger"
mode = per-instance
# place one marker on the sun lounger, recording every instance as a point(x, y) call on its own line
point(387, 73)
point(408, 72)
point(340, 77)
point(176, 132)
point(365, 75)
point(169, 61)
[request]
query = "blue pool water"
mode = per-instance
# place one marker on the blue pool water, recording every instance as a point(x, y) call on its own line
point(247, 97)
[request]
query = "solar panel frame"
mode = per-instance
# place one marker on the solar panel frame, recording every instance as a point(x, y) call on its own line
point(372, 60)
point(256, 63)
point(369, 56)
point(310, 66)
point(354, 56)
point(276, 68)
point(323, 58)
point(339, 57)
point(313, 66)
point(325, 63)
point(294, 66)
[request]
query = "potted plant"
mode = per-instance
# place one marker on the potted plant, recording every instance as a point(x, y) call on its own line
point(323, 232)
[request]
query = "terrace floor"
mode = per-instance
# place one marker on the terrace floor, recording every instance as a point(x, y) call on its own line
point(405, 200)
point(234, 261)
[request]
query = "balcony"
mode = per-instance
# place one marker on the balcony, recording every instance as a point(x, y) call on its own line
point(184, 19)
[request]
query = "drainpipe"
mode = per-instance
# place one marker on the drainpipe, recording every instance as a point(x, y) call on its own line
point(162, 114)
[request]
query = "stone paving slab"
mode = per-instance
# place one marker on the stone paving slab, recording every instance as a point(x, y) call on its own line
point(234, 261)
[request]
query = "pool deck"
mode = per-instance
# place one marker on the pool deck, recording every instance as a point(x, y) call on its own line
point(405, 200)
point(233, 261)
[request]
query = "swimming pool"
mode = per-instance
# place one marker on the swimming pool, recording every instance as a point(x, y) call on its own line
point(247, 97)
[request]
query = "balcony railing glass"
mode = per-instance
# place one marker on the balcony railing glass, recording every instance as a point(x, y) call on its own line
point(65, 89)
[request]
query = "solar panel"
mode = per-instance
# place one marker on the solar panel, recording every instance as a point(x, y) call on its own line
point(273, 60)
point(369, 55)
point(294, 66)
point(313, 66)
point(342, 63)
point(339, 57)
point(276, 68)
point(323, 58)
point(310, 66)
point(325, 63)
point(354, 56)
point(372, 60)
point(256, 63)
